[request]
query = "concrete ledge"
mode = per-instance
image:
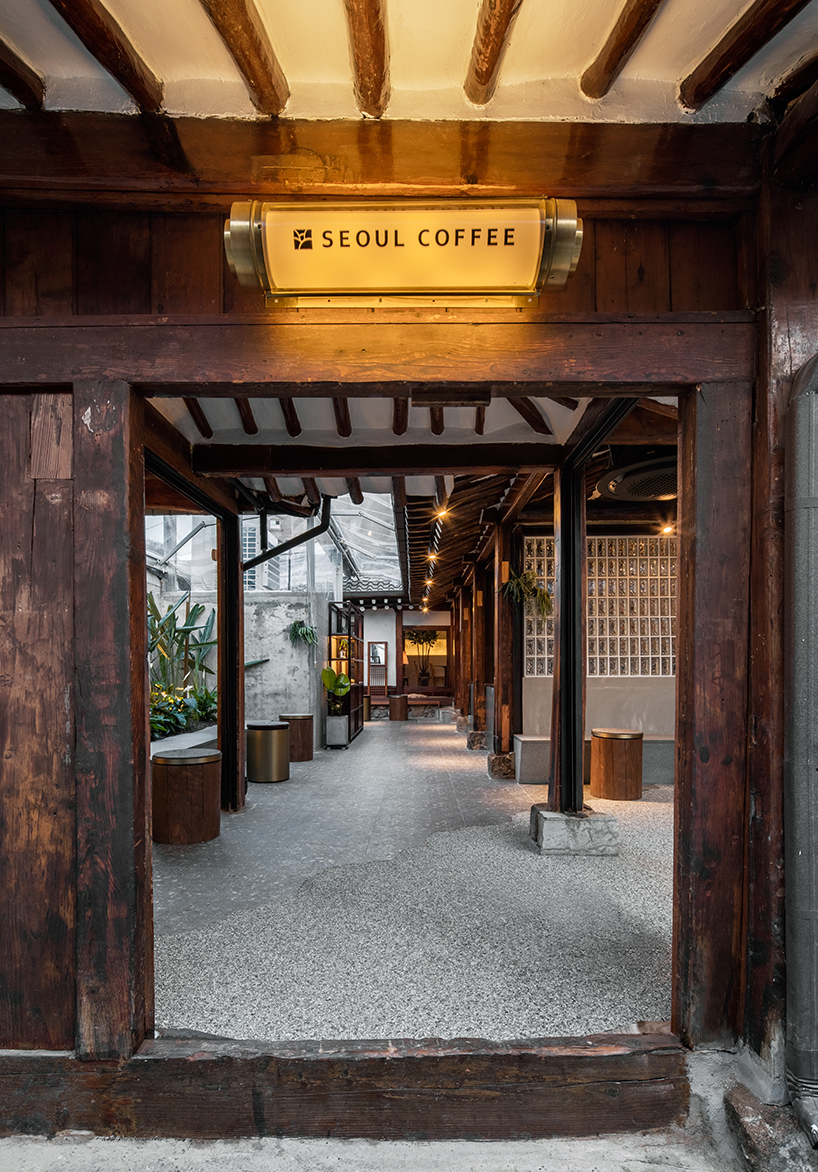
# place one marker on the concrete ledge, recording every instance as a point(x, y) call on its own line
point(574, 834)
point(532, 756)
point(770, 1138)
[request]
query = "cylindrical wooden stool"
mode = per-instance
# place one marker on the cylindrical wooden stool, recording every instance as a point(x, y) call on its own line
point(300, 735)
point(367, 707)
point(187, 789)
point(616, 764)
point(268, 751)
point(398, 707)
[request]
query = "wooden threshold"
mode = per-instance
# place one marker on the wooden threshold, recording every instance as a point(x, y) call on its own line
point(200, 1087)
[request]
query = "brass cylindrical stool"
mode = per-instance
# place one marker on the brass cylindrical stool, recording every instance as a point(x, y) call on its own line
point(300, 735)
point(398, 707)
point(616, 764)
point(187, 789)
point(268, 751)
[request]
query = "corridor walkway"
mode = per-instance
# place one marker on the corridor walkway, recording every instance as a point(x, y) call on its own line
point(391, 890)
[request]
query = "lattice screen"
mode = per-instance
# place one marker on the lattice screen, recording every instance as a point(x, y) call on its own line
point(631, 606)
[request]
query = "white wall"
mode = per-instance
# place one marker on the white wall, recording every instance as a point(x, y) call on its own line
point(379, 627)
point(640, 702)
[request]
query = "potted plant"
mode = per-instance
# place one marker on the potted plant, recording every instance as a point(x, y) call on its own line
point(337, 684)
point(524, 588)
point(424, 639)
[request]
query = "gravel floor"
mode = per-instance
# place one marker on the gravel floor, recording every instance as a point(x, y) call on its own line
point(470, 934)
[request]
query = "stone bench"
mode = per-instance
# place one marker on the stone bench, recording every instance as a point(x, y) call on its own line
point(532, 759)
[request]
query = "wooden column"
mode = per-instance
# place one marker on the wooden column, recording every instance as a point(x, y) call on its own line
point(231, 663)
point(503, 637)
point(479, 655)
point(711, 720)
point(38, 825)
point(114, 977)
point(465, 644)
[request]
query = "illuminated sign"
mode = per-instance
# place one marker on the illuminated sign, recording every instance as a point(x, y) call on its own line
point(445, 252)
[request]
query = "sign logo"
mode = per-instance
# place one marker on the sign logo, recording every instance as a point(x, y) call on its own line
point(302, 238)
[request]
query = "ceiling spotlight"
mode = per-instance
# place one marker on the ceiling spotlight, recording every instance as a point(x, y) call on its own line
point(442, 513)
point(668, 529)
point(429, 582)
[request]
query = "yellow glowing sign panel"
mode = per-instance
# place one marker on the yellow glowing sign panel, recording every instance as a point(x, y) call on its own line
point(361, 252)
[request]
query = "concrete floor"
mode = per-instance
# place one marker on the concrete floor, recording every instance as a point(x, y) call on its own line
point(391, 890)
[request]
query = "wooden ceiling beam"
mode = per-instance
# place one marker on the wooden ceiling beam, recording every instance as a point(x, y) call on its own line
point(630, 27)
point(248, 419)
point(642, 427)
point(291, 420)
point(354, 489)
point(795, 83)
point(669, 410)
point(194, 409)
point(311, 490)
point(343, 421)
point(399, 491)
point(107, 43)
point(479, 420)
point(754, 29)
point(21, 81)
point(436, 420)
point(366, 20)
point(273, 491)
point(494, 24)
point(520, 493)
point(240, 26)
point(400, 459)
point(532, 415)
point(795, 159)
point(400, 416)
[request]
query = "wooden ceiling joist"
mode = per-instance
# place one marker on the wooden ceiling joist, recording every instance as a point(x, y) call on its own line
point(20, 79)
point(399, 491)
point(343, 422)
point(751, 32)
point(520, 493)
point(199, 418)
point(624, 36)
point(795, 158)
point(669, 410)
point(291, 420)
point(564, 401)
point(795, 83)
point(248, 419)
point(273, 491)
point(311, 490)
point(532, 415)
point(479, 420)
point(354, 489)
point(400, 416)
point(441, 492)
point(369, 47)
point(436, 420)
point(494, 23)
point(240, 27)
point(107, 43)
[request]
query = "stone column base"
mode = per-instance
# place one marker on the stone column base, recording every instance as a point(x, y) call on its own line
point(587, 833)
point(463, 724)
point(476, 739)
point(501, 766)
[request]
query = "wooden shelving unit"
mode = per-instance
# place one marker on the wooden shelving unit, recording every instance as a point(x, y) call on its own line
point(346, 654)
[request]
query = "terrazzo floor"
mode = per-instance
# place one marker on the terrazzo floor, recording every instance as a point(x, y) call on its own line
point(391, 890)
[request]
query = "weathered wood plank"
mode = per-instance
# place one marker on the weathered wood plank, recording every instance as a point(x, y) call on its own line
point(52, 437)
point(711, 720)
point(39, 263)
point(111, 738)
point(186, 264)
point(37, 830)
point(398, 1090)
point(167, 357)
point(113, 263)
point(632, 267)
point(703, 267)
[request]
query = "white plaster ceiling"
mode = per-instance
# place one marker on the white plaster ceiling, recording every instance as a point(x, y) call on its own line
point(430, 42)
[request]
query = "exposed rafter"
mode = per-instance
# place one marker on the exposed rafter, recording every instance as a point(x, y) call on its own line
point(105, 41)
point(797, 139)
point(399, 491)
point(370, 54)
point(795, 83)
point(354, 489)
point(343, 422)
point(311, 490)
point(669, 410)
point(242, 30)
point(248, 419)
point(273, 491)
point(436, 420)
point(520, 493)
point(532, 415)
point(20, 79)
point(199, 418)
point(494, 24)
point(291, 420)
point(479, 420)
point(624, 36)
point(400, 416)
point(751, 32)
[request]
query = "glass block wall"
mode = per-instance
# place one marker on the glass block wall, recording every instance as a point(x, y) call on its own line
point(631, 606)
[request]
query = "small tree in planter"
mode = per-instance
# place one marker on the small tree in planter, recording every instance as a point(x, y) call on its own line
point(423, 639)
point(337, 684)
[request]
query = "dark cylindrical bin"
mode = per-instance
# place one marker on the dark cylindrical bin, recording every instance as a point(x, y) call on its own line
point(268, 751)
point(616, 764)
point(186, 786)
point(300, 735)
point(398, 707)
point(367, 708)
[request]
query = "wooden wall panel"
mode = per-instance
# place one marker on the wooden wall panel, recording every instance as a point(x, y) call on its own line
point(712, 723)
point(632, 273)
point(39, 262)
point(113, 263)
point(703, 266)
point(37, 826)
point(186, 264)
point(111, 749)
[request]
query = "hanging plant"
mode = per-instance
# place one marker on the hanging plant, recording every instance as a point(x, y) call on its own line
point(301, 632)
point(525, 589)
